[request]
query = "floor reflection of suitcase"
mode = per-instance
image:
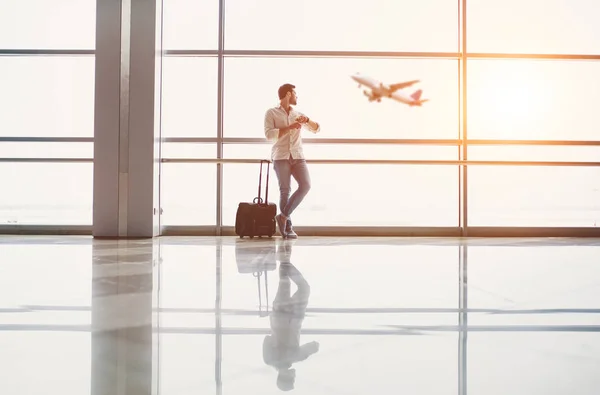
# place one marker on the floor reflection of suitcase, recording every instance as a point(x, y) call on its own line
point(258, 217)
point(258, 259)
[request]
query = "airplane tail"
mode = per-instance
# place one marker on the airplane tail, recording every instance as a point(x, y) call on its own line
point(416, 95)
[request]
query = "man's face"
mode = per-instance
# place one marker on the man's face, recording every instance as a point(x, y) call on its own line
point(293, 97)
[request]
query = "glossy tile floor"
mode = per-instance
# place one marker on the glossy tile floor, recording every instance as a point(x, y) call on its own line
point(206, 315)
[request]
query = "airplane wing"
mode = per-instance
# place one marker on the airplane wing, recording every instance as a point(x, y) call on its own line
point(402, 85)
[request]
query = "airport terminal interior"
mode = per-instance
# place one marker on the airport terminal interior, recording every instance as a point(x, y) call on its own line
point(448, 244)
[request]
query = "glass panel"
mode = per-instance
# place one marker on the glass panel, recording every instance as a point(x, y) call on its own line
point(190, 24)
point(47, 96)
point(376, 25)
point(46, 193)
point(189, 97)
point(533, 26)
point(189, 150)
point(357, 195)
point(43, 24)
point(188, 194)
point(319, 81)
point(46, 150)
point(535, 153)
point(533, 100)
point(534, 196)
point(348, 151)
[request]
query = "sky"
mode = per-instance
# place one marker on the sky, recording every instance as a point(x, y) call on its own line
point(507, 99)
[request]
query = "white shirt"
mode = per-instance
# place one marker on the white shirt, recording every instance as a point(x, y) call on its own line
point(291, 142)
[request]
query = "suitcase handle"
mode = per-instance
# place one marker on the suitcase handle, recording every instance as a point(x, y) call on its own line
point(260, 201)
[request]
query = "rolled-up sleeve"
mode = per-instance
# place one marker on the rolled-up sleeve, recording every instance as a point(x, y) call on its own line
point(317, 130)
point(271, 132)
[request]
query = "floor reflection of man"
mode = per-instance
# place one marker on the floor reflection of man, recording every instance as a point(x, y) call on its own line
point(281, 349)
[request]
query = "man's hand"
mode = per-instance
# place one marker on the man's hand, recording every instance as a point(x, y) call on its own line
point(286, 129)
point(295, 125)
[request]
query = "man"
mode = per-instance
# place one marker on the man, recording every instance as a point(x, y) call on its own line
point(283, 125)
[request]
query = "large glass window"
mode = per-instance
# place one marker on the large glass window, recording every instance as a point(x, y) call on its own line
point(46, 193)
point(190, 24)
point(47, 96)
point(357, 195)
point(188, 193)
point(534, 196)
point(43, 24)
point(533, 100)
point(189, 150)
point(328, 94)
point(376, 25)
point(533, 26)
point(189, 97)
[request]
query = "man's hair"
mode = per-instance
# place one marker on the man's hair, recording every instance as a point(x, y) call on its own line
point(284, 89)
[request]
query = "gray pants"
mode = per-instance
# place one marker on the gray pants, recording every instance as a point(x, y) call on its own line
point(285, 169)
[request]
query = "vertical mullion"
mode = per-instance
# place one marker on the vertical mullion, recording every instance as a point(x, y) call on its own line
point(465, 210)
point(460, 120)
point(221, 38)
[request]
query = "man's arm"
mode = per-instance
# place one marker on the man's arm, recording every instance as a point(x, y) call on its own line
point(314, 126)
point(271, 132)
point(310, 124)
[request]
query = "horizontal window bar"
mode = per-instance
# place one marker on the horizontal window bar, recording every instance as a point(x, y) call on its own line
point(191, 52)
point(532, 56)
point(80, 230)
point(530, 231)
point(46, 139)
point(394, 162)
point(259, 140)
point(384, 54)
point(300, 53)
point(46, 52)
point(46, 160)
point(534, 142)
point(192, 140)
point(317, 54)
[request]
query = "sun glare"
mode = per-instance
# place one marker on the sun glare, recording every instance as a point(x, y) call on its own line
point(508, 96)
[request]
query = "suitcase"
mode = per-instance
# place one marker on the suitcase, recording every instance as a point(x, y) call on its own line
point(257, 259)
point(258, 217)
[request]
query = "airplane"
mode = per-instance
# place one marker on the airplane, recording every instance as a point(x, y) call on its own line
point(379, 90)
